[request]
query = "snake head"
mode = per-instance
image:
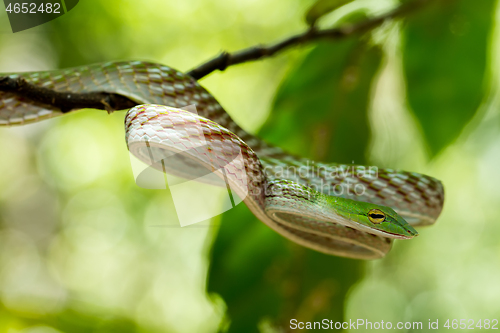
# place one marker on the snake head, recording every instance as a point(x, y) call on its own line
point(387, 220)
point(376, 219)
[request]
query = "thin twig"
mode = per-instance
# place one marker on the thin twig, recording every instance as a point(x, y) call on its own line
point(226, 59)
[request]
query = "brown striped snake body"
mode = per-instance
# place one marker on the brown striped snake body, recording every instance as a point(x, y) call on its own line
point(304, 207)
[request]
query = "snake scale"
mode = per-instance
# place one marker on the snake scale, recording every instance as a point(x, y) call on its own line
point(305, 207)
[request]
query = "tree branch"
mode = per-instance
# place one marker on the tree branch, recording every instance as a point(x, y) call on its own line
point(226, 59)
point(64, 101)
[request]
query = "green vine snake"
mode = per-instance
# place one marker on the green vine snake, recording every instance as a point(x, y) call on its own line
point(305, 207)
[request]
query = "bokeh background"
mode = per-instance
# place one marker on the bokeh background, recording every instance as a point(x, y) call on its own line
point(83, 249)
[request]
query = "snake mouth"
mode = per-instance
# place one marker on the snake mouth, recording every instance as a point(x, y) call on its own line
point(399, 236)
point(387, 234)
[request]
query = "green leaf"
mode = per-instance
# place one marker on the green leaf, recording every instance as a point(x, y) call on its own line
point(445, 56)
point(323, 7)
point(322, 105)
point(320, 110)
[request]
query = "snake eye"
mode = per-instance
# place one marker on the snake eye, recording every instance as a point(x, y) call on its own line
point(376, 216)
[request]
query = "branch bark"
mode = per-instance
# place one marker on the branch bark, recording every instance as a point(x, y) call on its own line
point(64, 101)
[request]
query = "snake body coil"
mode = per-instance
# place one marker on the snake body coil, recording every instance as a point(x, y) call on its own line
point(304, 207)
